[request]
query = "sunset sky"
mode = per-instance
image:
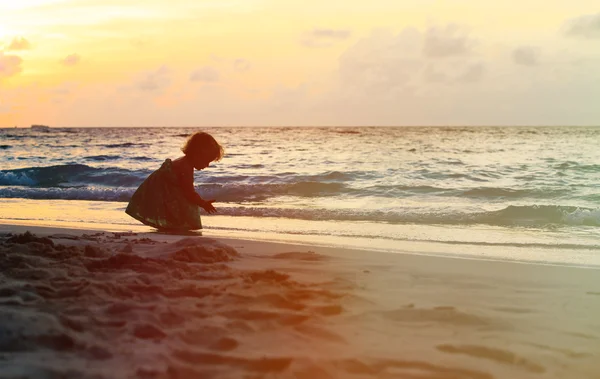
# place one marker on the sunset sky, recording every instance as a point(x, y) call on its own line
point(299, 62)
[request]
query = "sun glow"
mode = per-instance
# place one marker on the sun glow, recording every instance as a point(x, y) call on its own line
point(24, 4)
point(298, 61)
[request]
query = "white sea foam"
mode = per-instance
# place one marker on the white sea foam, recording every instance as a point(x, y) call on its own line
point(15, 179)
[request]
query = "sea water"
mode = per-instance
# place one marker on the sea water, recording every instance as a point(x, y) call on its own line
point(517, 193)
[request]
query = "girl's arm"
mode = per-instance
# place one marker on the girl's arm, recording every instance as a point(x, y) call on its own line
point(186, 182)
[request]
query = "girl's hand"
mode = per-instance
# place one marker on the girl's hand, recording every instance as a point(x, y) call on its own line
point(207, 206)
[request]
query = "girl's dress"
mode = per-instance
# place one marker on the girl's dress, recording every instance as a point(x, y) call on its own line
point(160, 202)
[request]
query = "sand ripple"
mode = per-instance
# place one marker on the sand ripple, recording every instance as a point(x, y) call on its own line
point(176, 310)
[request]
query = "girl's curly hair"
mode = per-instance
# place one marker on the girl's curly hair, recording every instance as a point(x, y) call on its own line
point(204, 143)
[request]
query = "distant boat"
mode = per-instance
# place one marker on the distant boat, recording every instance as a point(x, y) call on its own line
point(40, 128)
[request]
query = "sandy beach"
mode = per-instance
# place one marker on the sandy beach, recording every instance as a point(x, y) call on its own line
point(97, 304)
point(384, 189)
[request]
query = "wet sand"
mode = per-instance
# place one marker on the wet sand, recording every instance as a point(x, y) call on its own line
point(96, 304)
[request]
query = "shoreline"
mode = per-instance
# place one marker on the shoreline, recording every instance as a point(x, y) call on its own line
point(567, 247)
point(50, 228)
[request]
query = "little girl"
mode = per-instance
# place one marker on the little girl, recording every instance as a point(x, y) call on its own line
point(167, 199)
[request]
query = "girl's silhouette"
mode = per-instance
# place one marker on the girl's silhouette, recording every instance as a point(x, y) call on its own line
point(167, 199)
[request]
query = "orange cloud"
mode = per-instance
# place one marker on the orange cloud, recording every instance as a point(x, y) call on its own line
point(241, 65)
point(155, 80)
point(71, 60)
point(9, 65)
point(19, 43)
point(205, 74)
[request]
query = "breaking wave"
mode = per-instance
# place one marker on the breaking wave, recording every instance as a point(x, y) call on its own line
point(240, 187)
point(69, 174)
point(527, 216)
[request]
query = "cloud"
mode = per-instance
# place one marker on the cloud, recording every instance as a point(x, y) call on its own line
point(71, 60)
point(526, 56)
point(18, 43)
point(587, 26)
point(472, 74)
point(324, 37)
point(384, 63)
point(447, 42)
point(205, 74)
point(10, 65)
point(155, 80)
point(241, 65)
point(381, 61)
point(392, 79)
point(432, 75)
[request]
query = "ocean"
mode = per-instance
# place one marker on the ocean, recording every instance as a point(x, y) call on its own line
point(512, 193)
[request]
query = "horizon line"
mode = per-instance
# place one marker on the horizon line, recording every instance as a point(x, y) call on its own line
point(316, 126)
